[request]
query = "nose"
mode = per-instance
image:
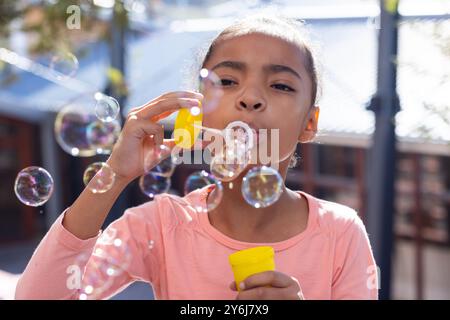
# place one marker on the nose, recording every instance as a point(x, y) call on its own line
point(250, 101)
point(250, 106)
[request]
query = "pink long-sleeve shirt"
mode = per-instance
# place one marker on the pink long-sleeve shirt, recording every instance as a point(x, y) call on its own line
point(169, 244)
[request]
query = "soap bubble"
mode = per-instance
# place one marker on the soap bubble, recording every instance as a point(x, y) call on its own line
point(262, 186)
point(95, 282)
point(33, 186)
point(228, 163)
point(80, 133)
point(159, 161)
point(108, 236)
point(64, 64)
point(103, 135)
point(152, 184)
point(210, 86)
point(113, 259)
point(110, 258)
point(99, 177)
point(106, 108)
point(235, 155)
point(214, 188)
point(239, 132)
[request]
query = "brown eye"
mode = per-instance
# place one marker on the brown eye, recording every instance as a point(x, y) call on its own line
point(282, 87)
point(227, 82)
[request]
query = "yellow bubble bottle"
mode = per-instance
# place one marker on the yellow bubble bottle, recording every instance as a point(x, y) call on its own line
point(188, 126)
point(248, 262)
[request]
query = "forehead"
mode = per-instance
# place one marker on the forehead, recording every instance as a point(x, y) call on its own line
point(258, 49)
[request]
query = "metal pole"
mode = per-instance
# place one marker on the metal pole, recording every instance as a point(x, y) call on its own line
point(54, 206)
point(382, 157)
point(118, 27)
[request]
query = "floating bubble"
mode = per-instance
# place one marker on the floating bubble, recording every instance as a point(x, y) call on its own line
point(152, 184)
point(239, 132)
point(64, 64)
point(210, 85)
point(159, 161)
point(214, 188)
point(228, 163)
point(103, 135)
point(165, 168)
point(94, 282)
point(79, 133)
point(106, 108)
point(33, 186)
point(262, 186)
point(114, 258)
point(235, 155)
point(108, 236)
point(99, 177)
point(110, 258)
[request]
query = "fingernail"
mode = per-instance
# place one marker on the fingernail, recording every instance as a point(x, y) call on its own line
point(198, 94)
point(242, 286)
point(194, 103)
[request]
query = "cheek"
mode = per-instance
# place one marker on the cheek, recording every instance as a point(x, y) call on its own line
point(290, 123)
point(222, 114)
point(215, 119)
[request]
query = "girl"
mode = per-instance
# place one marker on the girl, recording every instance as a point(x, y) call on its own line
point(269, 80)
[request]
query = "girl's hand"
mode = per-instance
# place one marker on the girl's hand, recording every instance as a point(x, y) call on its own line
point(269, 285)
point(141, 133)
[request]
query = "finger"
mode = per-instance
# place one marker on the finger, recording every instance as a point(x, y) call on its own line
point(140, 128)
point(166, 105)
point(267, 278)
point(162, 115)
point(266, 293)
point(173, 94)
point(233, 286)
point(182, 94)
point(170, 95)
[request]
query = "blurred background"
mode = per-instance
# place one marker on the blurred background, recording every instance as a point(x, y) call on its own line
point(384, 141)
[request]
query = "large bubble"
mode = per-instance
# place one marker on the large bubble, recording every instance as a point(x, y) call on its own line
point(210, 85)
point(64, 64)
point(101, 136)
point(152, 184)
point(99, 177)
point(159, 161)
point(111, 257)
point(262, 186)
point(214, 188)
point(79, 132)
point(106, 108)
point(227, 164)
point(33, 186)
point(115, 258)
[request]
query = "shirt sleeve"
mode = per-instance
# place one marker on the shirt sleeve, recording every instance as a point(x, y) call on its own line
point(66, 267)
point(355, 271)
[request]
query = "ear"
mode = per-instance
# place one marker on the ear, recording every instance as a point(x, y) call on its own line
point(310, 130)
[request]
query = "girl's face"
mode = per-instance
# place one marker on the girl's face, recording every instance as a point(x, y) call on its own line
point(266, 85)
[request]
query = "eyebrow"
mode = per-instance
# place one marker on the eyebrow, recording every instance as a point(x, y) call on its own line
point(269, 68)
